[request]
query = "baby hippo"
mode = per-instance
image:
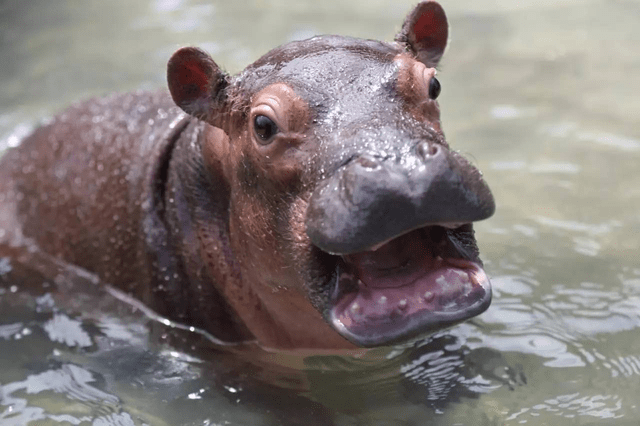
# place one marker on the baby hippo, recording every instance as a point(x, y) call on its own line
point(311, 201)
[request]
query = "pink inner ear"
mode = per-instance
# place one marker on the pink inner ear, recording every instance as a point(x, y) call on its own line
point(194, 75)
point(431, 27)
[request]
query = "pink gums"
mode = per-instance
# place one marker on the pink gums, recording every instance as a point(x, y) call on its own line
point(444, 286)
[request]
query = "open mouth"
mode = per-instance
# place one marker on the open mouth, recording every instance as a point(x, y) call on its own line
point(417, 283)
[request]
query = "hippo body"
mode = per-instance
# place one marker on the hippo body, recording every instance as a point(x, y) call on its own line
point(310, 201)
point(101, 201)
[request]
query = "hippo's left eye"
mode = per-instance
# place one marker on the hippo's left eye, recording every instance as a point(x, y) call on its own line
point(264, 127)
point(434, 88)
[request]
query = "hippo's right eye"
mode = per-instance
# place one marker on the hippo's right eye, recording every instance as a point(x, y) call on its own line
point(264, 127)
point(434, 88)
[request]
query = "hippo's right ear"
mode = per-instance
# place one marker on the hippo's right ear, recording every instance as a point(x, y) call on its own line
point(197, 84)
point(425, 32)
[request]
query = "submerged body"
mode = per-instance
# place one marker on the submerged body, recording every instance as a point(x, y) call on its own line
point(311, 201)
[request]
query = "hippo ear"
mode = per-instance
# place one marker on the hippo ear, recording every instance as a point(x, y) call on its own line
point(425, 32)
point(197, 84)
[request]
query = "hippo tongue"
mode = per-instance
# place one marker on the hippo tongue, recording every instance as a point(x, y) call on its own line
point(397, 263)
point(401, 290)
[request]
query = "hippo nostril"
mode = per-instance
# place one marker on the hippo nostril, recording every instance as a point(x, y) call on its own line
point(427, 150)
point(356, 177)
point(367, 162)
point(348, 182)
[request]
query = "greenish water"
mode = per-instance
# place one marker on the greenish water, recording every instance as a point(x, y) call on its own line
point(541, 94)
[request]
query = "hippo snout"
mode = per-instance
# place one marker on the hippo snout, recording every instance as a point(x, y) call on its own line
point(373, 199)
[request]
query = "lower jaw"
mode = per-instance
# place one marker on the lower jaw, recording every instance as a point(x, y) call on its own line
point(455, 291)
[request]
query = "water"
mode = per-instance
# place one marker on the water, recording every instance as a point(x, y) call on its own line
point(541, 94)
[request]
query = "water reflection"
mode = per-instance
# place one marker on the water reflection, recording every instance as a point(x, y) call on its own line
point(574, 405)
point(561, 324)
point(529, 88)
point(68, 382)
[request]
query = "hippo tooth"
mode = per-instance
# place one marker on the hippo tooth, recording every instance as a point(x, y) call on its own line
point(475, 280)
point(427, 296)
point(442, 281)
point(382, 300)
point(462, 275)
point(402, 304)
point(355, 308)
point(451, 225)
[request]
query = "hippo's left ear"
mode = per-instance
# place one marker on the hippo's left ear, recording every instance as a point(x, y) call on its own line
point(425, 32)
point(197, 84)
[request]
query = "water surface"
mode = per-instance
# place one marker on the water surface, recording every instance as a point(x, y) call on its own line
point(542, 95)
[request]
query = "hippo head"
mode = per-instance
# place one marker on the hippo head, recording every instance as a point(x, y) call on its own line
point(343, 193)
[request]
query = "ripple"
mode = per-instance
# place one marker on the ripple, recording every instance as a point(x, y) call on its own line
point(572, 405)
point(69, 382)
point(8, 331)
point(570, 225)
point(115, 419)
point(510, 112)
point(611, 140)
point(514, 285)
point(564, 168)
point(622, 143)
point(559, 326)
point(65, 330)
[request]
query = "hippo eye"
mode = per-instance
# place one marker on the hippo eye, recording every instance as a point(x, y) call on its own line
point(264, 127)
point(434, 88)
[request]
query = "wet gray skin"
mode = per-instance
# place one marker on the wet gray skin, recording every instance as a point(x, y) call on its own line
point(404, 185)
